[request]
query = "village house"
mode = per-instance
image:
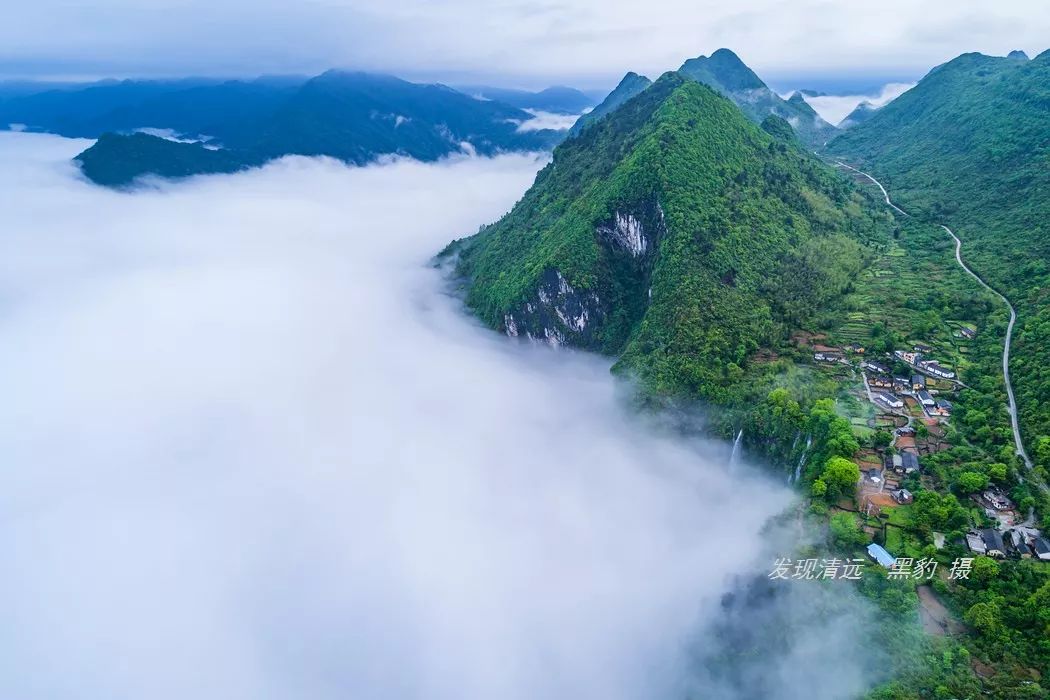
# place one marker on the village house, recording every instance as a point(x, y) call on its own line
point(910, 461)
point(997, 499)
point(994, 541)
point(876, 367)
point(830, 357)
point(942, 408)
point(909, 357)
point(903, 496)
point(1042, 548)
point(922, 348)
point(935, 368)
point(976, 543)
point(901, 384)
point(925, 399)
point(855, 347)
point(918, 382)
point(1020, 546)
point(888, 399)
point(967, 332)
point(880, 381)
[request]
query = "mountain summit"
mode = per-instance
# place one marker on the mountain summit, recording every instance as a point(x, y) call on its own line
point(726, 73)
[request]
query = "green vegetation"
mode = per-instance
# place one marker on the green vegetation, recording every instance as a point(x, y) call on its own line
point(841, 476)
point(968, 147)
point(747, 237)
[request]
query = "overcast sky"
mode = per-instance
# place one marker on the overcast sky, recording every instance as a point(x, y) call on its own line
point(514, 42)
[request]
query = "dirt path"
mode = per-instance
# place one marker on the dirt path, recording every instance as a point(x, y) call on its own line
point(936, 619)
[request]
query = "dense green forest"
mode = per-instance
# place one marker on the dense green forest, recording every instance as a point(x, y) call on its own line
point(969, 147)
point(745, 237)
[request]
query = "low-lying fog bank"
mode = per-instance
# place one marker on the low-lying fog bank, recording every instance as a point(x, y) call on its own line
point(251, 450)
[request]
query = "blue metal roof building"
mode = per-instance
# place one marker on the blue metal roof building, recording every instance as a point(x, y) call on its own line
point(880, 555)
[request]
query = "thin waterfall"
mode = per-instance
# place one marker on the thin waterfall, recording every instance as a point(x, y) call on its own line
point(736, 451)
point(802, 459)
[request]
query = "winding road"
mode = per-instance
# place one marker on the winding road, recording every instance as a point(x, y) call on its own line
point(1012, 406)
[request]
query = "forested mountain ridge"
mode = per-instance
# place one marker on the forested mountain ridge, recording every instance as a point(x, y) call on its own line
point(969, 147)
point(676, 234)
point(629, 86)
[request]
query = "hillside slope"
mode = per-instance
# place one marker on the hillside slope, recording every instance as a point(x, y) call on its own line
point(675, 233)
point(969, 147)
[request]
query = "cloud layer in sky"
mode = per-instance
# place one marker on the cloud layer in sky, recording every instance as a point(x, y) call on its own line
point(587, 42)
point(253, 450)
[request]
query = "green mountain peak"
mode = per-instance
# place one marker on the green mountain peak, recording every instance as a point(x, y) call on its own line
point(727, 74)
point(674, 233)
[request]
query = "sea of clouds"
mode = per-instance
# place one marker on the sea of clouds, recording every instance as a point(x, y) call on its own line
point(835, 108)
point(548, 120)
point(252, 449)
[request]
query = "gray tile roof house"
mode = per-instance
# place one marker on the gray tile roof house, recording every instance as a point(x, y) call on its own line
point(975, 543)
point(910, 461)
point(994, 540)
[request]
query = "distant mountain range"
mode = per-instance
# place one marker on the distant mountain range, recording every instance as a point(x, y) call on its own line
point(225, 126)
point(354, 117)
point(557, 99)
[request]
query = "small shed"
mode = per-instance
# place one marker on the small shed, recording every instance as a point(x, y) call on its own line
point(884, 558)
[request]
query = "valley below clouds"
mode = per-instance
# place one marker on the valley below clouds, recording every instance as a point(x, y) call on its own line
point(254, 448)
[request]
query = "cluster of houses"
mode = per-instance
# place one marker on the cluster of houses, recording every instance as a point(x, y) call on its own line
point(916, 357)
point(992, 543)
point(886, 387)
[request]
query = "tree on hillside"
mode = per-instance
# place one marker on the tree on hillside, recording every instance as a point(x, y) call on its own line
point(841, 476)
point(971, 482)
point(845, 532)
